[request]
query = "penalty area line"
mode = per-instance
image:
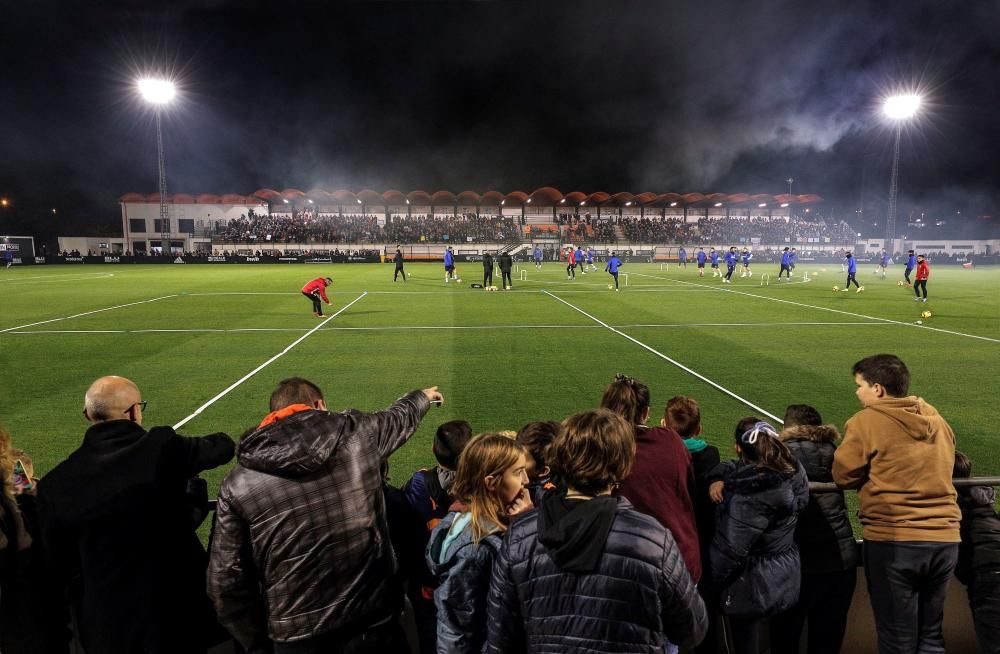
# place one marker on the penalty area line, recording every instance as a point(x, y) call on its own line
point(87, 313)
point(669, 360)
point(266, 363)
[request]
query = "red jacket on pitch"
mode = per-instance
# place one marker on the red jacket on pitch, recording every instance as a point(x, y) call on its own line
point(571, 257)
point(923, 270)
point(318, 284)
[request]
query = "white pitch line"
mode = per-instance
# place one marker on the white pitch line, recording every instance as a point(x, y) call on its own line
point(266, 363)
point(447, 328)
point(846, 313)
point(87, 313)
point(56, 278)
point(669, 360)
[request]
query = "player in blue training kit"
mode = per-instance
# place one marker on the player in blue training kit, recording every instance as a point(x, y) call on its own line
point(911, 263)
point(793, 258)
point(786, 264)
point(579, 259)
point(682, 257)
point(701, 261)
point(731, 259)
point(746, 256)
point(538, 257)
point(590, 259)
point(614, 263)
point(883, 262)
point(852, 269)
point(449, 265)
point(714, 256)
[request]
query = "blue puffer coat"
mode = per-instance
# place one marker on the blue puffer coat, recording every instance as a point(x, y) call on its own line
point(754, 560)
point(638, 596)
point(463, 569)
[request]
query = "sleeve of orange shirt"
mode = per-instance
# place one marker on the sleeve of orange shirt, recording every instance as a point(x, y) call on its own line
point(850, 460)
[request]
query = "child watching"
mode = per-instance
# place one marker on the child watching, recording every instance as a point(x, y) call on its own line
point(490, 488)
point(683, 415)
point(535, 437)
point(979, 555)
point(827, 548)
point(429, 497)
point(753, 559)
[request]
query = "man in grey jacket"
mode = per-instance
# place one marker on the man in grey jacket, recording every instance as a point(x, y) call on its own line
point(301, 559)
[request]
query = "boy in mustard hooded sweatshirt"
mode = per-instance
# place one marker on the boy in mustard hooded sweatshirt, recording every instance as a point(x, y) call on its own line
point(898, 452)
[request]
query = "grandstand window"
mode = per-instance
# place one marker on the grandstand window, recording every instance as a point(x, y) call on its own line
point(161, 225)
point(137, 224)
point(185, 225)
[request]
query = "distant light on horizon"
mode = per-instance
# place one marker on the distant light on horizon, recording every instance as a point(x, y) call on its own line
point(762, 205)
point(901, 107)
point(673, 204)
point(718, 204)
point(157, 91)
point(784, 205)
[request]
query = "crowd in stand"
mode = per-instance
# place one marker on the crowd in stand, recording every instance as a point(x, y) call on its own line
point(467, 228)
point(598, 533)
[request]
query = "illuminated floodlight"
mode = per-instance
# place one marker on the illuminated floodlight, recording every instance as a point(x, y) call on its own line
point(4, 202)
point(157, 91)
point(563, 201)
point(407, 202)
point(309, 201)
point(901, 107)
point(762, 205)
point(503, 202)
point(673, 204)
point(529, 200)
point(359, 201)
point(718, 204)
point(583, 203)
point(285, 200)
point(784, 205)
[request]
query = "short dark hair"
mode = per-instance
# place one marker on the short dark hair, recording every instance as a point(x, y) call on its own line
point(887, 370)
point(963, 466)
point(449, 441)
point(535, 437)
point(295, 390)
point(683, 415)
point(802, 414)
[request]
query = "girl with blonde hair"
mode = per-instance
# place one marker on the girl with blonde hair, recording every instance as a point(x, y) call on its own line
point(490, 488)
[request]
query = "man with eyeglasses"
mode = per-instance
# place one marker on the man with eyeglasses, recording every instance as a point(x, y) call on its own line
point(116, 524)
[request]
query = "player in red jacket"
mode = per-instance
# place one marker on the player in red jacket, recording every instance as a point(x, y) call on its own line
point(571, 260)
point(923, 272)
point(315, 290)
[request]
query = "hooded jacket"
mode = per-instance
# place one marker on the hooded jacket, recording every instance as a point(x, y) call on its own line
point(899, 454)
point(638, 598)
point(754, 559)
point(301, 544)
point(464, 569)
point(980, 548)
point(823, 533)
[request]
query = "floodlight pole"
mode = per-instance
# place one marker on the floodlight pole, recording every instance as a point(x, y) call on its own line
point(164, 218)
point(890, 219)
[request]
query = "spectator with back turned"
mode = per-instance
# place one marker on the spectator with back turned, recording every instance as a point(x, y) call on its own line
point(301, 557)
point(398, 260)
point(487, 269)
point(116, 516)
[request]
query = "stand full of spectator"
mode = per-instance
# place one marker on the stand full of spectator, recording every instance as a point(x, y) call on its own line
point(900, 453)
point(586, 572)
point(116, 520)
point(301, 557)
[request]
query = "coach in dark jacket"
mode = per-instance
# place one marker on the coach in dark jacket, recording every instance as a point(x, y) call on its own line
point(301, 554)
point(586, 572)
point(506, 264)
point(487, 269)
point(827, 548)
point(116, 522)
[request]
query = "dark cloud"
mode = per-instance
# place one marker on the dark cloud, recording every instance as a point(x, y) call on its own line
point(629, 95)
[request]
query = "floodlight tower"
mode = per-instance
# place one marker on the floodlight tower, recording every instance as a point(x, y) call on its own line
point(159, 93)
point(897, 108)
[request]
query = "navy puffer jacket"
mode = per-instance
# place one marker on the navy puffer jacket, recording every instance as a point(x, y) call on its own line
point(639, 596)
point(754, 560)
point(824, 534)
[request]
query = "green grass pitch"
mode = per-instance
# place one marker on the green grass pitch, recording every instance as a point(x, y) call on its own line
point(186, 333)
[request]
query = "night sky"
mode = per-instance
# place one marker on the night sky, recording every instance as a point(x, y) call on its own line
point(706, 96)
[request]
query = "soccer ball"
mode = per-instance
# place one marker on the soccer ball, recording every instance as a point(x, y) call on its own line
point(920, 322)
point(926, 314)
point(458, 280)
point(610, 287)
point(836, 288)
point(899, 283)
point(815, 274)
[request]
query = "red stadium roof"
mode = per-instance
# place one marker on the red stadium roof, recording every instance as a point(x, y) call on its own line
point(545, 196)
